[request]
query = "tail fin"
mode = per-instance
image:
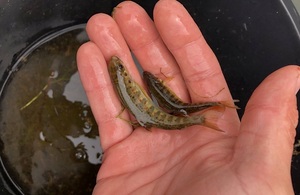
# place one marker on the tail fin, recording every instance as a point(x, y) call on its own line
point(229, 104)
point(211, 118)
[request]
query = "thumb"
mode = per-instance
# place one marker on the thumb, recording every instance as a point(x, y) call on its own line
point(265, 143)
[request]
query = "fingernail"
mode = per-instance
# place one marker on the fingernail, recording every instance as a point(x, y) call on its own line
point(114, 11)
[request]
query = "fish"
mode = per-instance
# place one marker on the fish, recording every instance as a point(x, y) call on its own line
point(167, 99)
point(136, 100)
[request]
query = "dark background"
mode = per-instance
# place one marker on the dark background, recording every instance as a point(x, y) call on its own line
point(251, 39)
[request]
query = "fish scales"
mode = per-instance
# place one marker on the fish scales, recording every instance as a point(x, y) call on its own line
point(140, 105)
point(169, 100)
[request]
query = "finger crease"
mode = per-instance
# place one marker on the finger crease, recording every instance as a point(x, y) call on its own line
point(202, 75)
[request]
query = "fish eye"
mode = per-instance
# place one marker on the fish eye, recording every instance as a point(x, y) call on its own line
point(120, 67)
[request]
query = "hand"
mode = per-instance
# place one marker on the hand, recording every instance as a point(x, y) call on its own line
point(251, 157)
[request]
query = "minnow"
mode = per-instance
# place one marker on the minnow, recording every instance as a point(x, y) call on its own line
point(135, 99)
point(167, 99)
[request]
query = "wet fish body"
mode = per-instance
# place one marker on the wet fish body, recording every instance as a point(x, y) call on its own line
point(169, 100)
point(141, 106)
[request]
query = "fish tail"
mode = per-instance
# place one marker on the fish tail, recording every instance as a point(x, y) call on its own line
point(230, 104)
point(211, 118)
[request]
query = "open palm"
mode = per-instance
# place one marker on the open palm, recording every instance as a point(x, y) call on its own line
point(251, 157)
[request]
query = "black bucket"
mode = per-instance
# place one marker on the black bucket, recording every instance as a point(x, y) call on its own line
point(250, 38)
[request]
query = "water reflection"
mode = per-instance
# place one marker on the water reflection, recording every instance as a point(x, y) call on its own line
point(49, 137)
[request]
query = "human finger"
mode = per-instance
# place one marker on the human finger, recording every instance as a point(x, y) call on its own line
point(105, 33)
point(268, 126)
point(145, 42)
point(199, 66)
point(102, 98)
point(183, 38)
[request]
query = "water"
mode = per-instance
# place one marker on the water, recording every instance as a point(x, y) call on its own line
point(49, 137)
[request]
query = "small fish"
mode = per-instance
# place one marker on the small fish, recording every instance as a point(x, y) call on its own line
point(136, 100)
point(167, 99)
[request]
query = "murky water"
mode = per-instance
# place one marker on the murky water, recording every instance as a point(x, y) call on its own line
point(49, 138)
point(297, 148)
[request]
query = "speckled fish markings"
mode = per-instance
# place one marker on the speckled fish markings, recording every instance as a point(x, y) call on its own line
point(136, 100)
point(170, 101)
